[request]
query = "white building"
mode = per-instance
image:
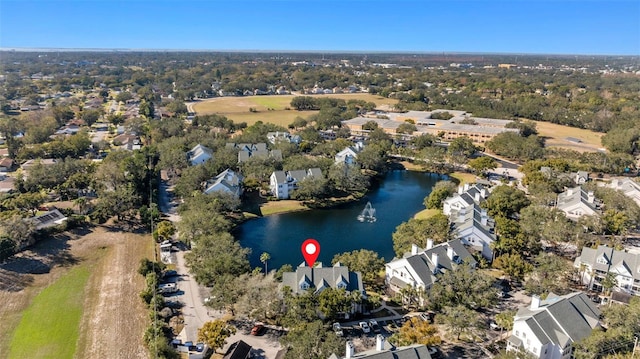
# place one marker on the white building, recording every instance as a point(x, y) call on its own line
point(385, 350)
point(419, 268)
point(199, 154)
point(629, 187)
point(594, 264)
point(349, 155)
point(473, 226)
point(228, 181)
point(548, 328)
point(282, 183)
point(576, 202)
point(466, 196)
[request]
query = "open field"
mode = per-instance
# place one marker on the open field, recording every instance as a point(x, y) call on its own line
point(271, 109)
point(556, 136)
point(75, 295)
point(49, 328)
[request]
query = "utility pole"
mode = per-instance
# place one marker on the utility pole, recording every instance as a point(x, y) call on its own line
point(635, 344)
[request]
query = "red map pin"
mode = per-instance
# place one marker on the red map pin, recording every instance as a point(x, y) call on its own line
point(310, 251)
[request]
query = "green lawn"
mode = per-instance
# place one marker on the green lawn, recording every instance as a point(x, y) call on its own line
point(427, 213)
point(283, 206)
point(49, 328)
point(463, 177)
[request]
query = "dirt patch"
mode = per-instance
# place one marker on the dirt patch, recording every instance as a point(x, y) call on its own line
point(114, 316)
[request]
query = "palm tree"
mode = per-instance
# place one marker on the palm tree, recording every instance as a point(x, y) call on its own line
point(81, 203)
point(264, 258)
point(609, 282)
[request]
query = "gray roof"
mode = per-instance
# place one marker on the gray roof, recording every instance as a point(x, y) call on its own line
point(416, 351)
point(610, 259)
point(281, 176)
point(561, 319)
point(573, 196)
point(473, 216)
point(422, 262)
point(319, 277)
point(238, 350)
point(228, 178)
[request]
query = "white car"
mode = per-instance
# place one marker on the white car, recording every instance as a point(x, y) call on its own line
point(365, 327)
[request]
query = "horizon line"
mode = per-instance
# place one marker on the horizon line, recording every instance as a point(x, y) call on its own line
point(272, 51)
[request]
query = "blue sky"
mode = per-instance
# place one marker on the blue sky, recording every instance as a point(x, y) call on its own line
point(505, 26)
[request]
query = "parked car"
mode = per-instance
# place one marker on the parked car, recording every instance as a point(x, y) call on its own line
point(373, 324)
point(494, 326)
point(169, 273)
point(257, 329)
point(365, 327)
point(337, 328)
point(427, 317)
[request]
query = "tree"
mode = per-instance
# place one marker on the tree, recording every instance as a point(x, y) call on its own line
point(505, 201)
point(365, 261)
point(439, 193)
point(481, 164)
point(370, 125)
point(347, 178)
point(215, 255)
point(505, 319)
point(416, 331)
point(333, 303)
point(310, 188)
point(417, 231)
point(259, 297)
point(264, 258)
point(313, 341)
point(460, 320)
point(462, 146)
point(91, 116)
point(463, 286)
point(609, 282)
point(165, 230)
point(7, 248)
point(81, 203)
point(214, 333)
point(550, 274)
point(407, 128)
point(513, 265)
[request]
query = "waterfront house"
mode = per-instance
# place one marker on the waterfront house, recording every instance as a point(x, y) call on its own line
point(282, 183)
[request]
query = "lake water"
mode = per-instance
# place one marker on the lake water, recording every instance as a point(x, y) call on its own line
point(397, 198)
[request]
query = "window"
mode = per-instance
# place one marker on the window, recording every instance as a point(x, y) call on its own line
point(601, 260)
point(517, 333)
point(304, 286)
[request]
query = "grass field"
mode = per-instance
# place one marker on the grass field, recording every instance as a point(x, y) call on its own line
point(463, 177)
point(427, 213)
point(49, 328)
point(556, 136)
point(271, 109)
point(275, 207)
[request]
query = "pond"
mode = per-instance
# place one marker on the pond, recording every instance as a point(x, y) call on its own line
point(396, 199)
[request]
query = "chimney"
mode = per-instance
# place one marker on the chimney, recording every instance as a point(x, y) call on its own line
point(476, 197)
point(434, 260)
point(590, 197)
point(350, 350)
point(414, 249)
point(450, 253)
point(379, 343)
point(570, 192)
point(466, 187)
point(460, 190)
point(535, 302)
point(429, 243)
point(483, 193)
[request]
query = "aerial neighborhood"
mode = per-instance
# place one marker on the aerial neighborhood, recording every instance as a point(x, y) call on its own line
point(463, 206)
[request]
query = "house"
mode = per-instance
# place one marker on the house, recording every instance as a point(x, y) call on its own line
point(421, 267)
point(199, 154)
point(350, 154)
point(579, 178)
point(593, 265)
point(7, 184)
point(576, 202)
point(547, 328)
point(49, 219)
point(319, 278)
point(385, 350)
point(282, 183)
point(6, 164)
point(628, 187)
point(473, 226)
point(257, 150)
point(466, 196)
point(278, 136)
point(238, 350)
point(228, 182)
